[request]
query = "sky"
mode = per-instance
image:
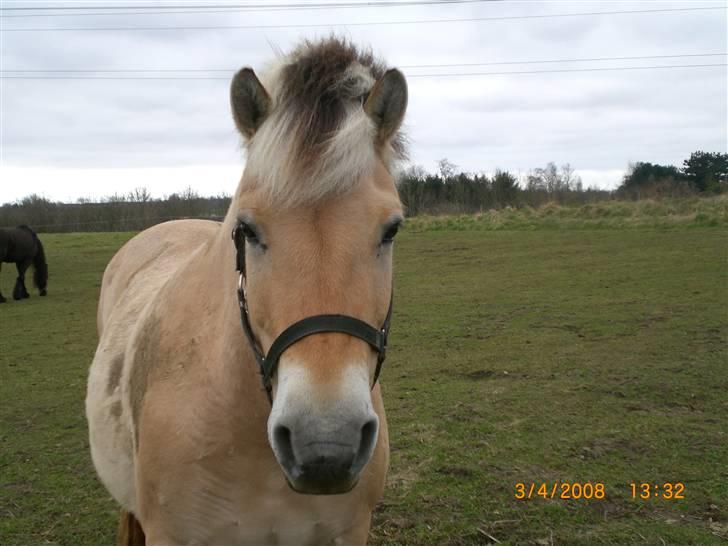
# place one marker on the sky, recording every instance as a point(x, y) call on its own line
point(67, 139)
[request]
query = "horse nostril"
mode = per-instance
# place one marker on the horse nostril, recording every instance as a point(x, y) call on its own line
point(283, 445)
point(366, 444)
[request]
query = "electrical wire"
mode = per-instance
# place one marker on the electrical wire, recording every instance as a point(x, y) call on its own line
point(406, 66)
point(296, 5)
point(432, 75)
point(356, 24)
point(253, 8)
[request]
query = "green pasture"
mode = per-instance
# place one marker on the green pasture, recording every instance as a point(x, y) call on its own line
point(530, 355)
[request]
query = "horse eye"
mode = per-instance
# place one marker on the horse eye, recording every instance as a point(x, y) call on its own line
point(390, 233)
point(249, 234)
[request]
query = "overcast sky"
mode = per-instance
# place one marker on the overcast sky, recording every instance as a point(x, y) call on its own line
point(70, 138)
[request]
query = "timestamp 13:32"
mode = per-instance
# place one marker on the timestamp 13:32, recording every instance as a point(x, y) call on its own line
point(597, 490)
point(666, 490)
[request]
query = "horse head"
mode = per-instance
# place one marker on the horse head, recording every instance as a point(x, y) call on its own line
point(318, 210)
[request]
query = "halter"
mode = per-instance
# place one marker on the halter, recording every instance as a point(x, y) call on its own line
point(344, 324)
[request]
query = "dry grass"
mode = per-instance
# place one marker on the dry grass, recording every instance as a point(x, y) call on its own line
point(687, 212)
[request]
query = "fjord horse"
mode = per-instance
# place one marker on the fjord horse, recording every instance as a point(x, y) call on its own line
point(197, 449)
point(21, 246)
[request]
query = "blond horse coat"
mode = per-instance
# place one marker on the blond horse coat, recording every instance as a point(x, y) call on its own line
point(182, 434)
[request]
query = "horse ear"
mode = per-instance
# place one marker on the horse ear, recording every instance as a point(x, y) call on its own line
point(250, 102)
point(387, 103)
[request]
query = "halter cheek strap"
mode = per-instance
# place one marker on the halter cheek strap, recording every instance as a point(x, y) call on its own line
point(317, 324)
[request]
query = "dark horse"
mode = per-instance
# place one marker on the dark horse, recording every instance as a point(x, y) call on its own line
point(22, 246)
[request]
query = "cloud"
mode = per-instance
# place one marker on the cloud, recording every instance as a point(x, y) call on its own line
point(597, 121)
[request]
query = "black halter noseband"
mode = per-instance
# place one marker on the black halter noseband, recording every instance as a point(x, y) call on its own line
point(344, 324)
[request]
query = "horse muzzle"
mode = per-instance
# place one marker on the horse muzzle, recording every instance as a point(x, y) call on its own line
point(324, 456)
point(322, 442)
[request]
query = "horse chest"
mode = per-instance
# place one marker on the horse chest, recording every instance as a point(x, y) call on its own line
point(215, 481)
point(226, 503)
point(297, 529)
point(265, 520)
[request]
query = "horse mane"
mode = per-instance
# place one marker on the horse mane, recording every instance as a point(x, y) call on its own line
point(317, 139)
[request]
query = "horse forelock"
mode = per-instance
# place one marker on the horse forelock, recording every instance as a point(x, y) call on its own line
point(317, 139)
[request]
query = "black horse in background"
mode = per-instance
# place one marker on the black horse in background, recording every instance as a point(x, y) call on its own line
point(22, 246)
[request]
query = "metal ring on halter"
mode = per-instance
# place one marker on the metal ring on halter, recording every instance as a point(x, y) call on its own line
point(241, 289)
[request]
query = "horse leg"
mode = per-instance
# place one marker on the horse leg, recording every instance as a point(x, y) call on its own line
point(20, 290)
point(2, 299)
point(130, 532)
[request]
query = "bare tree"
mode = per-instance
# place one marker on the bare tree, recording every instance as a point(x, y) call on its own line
point(140, 195)
point(446, 168)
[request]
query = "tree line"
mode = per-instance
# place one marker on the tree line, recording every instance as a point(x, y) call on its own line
point(451, 191)
point(701, 173)
point(448, 191)
point(134, 211)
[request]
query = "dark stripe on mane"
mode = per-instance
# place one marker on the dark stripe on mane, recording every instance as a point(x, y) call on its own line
point(318, 87)
point(317, 139)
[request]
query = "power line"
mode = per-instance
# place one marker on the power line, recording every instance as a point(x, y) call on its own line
point(370, 3)
point(433, 75)
point(374, 23)
point(253, 8)
point(556, 71)
point(448, 65)
point(193, 11)
point(549, 61)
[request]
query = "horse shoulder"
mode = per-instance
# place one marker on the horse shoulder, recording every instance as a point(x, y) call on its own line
point(128, 326)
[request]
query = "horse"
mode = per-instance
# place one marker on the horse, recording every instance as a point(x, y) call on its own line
point(22, 246)
point(234, 397)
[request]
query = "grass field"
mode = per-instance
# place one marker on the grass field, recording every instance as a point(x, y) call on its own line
point(531, 355)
